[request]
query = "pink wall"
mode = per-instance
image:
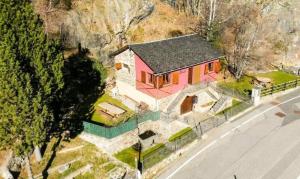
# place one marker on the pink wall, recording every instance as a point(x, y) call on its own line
point(211, 76)
point(140, 66)
point(169, 89)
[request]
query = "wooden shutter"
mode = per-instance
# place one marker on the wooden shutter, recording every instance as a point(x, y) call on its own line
point(160, 81)
point(143, 77)
point(206, 69)
point(118, 66)
point(155, 81)
point(217, 65)
point(196, 74)
point(175, 77)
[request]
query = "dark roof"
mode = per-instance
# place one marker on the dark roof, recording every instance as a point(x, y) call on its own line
point(175, 53)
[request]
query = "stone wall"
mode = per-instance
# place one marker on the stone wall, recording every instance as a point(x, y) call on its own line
point(128, 73)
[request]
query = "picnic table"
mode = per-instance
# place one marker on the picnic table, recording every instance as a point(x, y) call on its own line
point(111, 109)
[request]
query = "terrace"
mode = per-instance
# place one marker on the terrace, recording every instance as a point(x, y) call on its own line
point(110, 112)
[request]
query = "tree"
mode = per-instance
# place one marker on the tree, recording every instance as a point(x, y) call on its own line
point(234, 29)
point(31, 78)
point(243, 33)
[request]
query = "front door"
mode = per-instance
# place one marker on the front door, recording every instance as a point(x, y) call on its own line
point(187, 105)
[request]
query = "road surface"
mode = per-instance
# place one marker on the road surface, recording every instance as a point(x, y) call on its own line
point(263, 143)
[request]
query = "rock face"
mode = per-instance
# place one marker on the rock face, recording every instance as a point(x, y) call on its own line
point(101, 22)
point(280, 16)
point(95, 24)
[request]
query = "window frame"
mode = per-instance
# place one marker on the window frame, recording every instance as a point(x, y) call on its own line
point(210, 67)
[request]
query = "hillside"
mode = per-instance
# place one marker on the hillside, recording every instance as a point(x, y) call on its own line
point(105, 25)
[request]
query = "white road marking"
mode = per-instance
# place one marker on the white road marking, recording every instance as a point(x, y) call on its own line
point(226, 134)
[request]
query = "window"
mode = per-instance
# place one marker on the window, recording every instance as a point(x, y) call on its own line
point(210, 67)
point(166, 78)
point(150, 78)
point(118, 66)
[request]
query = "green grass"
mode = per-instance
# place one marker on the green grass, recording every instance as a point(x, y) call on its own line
point(128, 156)
point(109, 167)
point(152, 149)
point(279, 77)
point(108, 121)
point(234, 103)
point(244, 86)
point(179, 134)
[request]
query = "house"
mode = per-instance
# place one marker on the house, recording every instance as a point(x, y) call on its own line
point(157, 73)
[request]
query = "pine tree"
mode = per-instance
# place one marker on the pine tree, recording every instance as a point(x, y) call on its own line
point(31, 78)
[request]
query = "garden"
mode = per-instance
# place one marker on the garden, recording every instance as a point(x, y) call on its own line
point(157, 152)
point(244, 85)
point(104, 117)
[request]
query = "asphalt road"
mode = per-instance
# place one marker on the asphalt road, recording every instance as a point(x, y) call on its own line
point(263, 143)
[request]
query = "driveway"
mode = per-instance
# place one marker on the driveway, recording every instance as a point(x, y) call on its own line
point(264, 143)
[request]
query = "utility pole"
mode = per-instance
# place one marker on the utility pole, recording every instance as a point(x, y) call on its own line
point(139, 162)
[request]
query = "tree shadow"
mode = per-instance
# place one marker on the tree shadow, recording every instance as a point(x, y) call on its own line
point(84, 84)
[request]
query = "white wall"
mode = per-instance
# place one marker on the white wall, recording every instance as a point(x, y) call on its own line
point(126, 75)
point(130, 91)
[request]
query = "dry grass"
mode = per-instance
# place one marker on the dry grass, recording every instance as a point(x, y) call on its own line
point(160, 23)
point(89, 154)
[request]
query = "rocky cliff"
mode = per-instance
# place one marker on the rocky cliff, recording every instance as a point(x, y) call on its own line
point(96, 24)
point(105, 25)
point(280, 30)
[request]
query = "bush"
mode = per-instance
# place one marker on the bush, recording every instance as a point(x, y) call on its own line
point(180, 134)
point(152, 149)
point(174, 33)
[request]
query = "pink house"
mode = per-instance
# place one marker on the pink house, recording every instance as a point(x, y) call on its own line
point(156, 72)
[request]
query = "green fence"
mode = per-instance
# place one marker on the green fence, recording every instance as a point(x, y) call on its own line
point(281, 87)
point(165, 150)
point(111, 132)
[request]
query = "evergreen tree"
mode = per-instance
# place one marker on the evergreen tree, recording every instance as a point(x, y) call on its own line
point(31, 78)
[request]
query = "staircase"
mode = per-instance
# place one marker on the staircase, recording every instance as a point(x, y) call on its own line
point(219, 104)
point(189, 90)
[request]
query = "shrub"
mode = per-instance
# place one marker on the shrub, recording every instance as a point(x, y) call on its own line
point(174, 33)
point(180, 134)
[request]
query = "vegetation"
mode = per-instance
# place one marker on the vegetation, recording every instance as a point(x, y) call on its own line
point(179, 134)
point(64, 4)
point(98, 117)
point(152, 149)
point(31, 79)
point(278, 77)
point(245, 84)
point(89, 154)
point(234, 104)
point(128, 155)
point(241, 86)
point(84, 83)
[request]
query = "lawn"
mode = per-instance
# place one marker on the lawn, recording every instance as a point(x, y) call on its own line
point(279, 77)
point(244, 86)
point(129, 155)
point(98, 117)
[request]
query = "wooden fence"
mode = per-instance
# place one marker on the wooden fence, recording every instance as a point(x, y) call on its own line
point(280, 87)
